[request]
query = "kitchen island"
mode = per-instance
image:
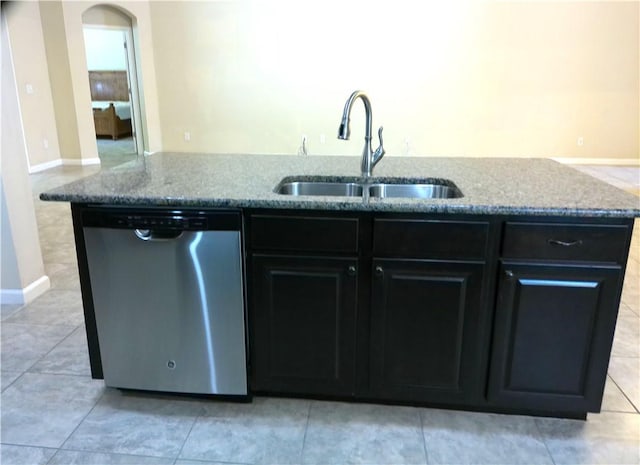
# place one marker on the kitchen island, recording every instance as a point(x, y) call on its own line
point(504, 299)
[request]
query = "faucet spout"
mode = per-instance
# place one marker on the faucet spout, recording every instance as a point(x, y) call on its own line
point(369, 158)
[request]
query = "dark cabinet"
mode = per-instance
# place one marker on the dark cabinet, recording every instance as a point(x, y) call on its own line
point(553, 333)
point(369, 307)
point(303, 324)
point(303, 298)
point(428, 309)
point(557, 302)
point(468, 311)
point(424, 330)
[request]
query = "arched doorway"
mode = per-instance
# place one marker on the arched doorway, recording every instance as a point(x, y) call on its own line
point(114, 85)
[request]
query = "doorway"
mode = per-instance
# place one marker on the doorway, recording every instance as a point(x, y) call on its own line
point(114, 86)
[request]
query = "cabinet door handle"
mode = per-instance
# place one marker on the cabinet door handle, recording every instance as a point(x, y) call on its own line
point(379, 271)
point(509, 273)
point(560, 243)
point(351, 270)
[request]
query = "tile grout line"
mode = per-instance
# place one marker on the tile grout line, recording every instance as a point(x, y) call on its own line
point(628, 307)
point(27, 446)
point(82, 421)
point(544, 441)
point(186, 438)
point(424, 440)
point(97, 452)
point(11, 384)
point(42, 356)
point(56, 374)
point(52, 349)
point(20, 307)
point(42, 324)
point(28, 370)
point(637, 411)
point(55, 451)
point(306, 429)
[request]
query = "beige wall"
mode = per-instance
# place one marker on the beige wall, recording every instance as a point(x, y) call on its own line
point(101, 15)
point(60, 76)
point(62, 25)
point(73, 11)
point(22, 274)
point(72, 14)
point(445, 78)
point(32, 80)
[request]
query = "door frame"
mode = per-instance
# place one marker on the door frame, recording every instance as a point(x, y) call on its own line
point(132, 80)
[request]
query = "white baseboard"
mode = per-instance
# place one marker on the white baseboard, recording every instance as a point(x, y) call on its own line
point(26, 295)
point(63, 161)
point(45, 166)
point(598, 161)
point(80, 161)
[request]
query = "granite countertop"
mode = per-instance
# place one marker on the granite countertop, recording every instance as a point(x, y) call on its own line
point(490, 185)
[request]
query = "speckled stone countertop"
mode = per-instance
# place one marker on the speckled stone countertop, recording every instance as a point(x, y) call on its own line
point(512, 186)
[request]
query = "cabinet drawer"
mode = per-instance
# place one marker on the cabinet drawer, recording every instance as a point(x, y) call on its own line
point(581, 242)
point(430, 239)
point(315, 234)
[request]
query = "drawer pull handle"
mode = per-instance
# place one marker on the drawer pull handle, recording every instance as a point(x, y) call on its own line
point(379, 271)
point(565, 243)
point(509, 273)
point(351, 270)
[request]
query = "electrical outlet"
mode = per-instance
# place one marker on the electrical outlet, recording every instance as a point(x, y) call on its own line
point(323, 138)
point(580, 141)
point(187, 136)
point(45, 143)
point(29, 89)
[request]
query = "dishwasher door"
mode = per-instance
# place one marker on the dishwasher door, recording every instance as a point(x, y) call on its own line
point(169, 309)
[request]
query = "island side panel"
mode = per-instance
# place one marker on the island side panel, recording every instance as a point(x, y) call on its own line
point(87, 296)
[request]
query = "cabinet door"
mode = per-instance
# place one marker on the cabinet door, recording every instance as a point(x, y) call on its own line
point(553, 334)
point(302, 319)
point(426, 330)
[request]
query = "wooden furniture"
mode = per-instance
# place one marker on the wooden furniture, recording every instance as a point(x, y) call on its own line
point(107, 123)
point(109, 86)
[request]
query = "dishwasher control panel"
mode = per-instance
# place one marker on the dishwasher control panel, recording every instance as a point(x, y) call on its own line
point(167, 219)
point(163, 222)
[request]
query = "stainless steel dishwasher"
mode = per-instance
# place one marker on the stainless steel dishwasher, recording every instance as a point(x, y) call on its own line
point(168, 299)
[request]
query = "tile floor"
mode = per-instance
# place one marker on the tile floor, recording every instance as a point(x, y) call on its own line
point(54, 413)
point(114, 152)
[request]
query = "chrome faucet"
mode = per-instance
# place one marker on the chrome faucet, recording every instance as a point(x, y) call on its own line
point(369, 158)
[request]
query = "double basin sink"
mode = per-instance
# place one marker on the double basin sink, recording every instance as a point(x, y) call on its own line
point(380, 188)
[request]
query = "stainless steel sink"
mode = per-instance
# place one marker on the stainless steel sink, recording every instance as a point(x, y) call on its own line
point(342, 189)
point(414, 191)
point(379, 188)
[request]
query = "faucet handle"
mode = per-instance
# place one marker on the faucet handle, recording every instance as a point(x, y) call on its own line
point(379, 153)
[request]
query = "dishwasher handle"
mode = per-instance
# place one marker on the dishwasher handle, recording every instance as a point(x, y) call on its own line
point(157, 235)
